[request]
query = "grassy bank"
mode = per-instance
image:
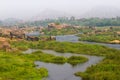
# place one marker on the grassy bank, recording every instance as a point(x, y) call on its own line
point(13, 66)
point(108, 69)
point(103, 37)
point(49, 58)
point(63, 31)
point(79, 48)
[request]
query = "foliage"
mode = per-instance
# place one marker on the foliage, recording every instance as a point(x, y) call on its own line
point(79, 48)
point(17, 67)
point(104, 37)
point(76, 59)
point(83, 22)
point(49, 58)
point(64, 31)
point(108, 69)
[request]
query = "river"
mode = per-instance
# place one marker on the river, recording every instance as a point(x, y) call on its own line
point(73, 38)
point(68, 38)
point(65, 71)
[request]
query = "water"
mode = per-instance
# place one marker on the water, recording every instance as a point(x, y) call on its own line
point(69, 38)
point(29, 51)
point(36, 33)
point(59, 72)
point(65, 71)
point(73, 38)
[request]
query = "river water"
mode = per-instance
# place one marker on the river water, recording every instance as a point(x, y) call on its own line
point(35, 33)
point(73, 38)
point(65, 71)
point(69, 38)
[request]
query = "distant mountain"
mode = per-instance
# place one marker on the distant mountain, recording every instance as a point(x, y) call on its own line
point(98, 11)
point(102, 12)
point(50, 14)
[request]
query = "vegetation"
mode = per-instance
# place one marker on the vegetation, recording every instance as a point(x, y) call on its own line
point(49, 58)
point(82, 22)
point(108, 69)
point(23, 45)
point(18, 66)
point(76, 59)
point(79, 48)
point(73, 21)
point(99, 38)
point(38, 55)
point(64, 31)
point(103, 36)
point(13, 66)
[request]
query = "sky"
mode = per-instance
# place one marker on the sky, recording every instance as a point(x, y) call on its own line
point(24, 9)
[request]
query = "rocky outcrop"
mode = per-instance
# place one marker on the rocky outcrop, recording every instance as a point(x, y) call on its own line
point(4, 44)
point(115, 41)
point(52, 37)
point(32, 38)
point(17, 34)
point(57, 26)
point(118, 33)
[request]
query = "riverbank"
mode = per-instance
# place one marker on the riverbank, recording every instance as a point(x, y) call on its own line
point(66, 71)
point(38, 55)
point(15, 66)
point(110, 37)
point(106, 69)
point(109, 66)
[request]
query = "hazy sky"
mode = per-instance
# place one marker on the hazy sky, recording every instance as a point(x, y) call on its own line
point(29, 8)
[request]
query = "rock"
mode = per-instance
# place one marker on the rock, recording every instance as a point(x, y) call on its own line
point(115, 41)
point(4, 44)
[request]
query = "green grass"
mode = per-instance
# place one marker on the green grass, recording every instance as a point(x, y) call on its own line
point(74, 60)
point(17, 67)
point(78, 48)
point(108, 69)
point(49, 58)
point(105, 37)
point(63, 31)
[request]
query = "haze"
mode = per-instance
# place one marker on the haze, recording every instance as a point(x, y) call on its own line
point(25, 9)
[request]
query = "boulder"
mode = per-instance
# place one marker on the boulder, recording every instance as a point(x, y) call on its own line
point(4, 44)
point(115, 41)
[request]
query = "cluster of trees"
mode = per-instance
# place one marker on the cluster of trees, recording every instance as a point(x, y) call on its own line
point(73, 21)
point(0, 22)
point(81, 22)
point(101, 22)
